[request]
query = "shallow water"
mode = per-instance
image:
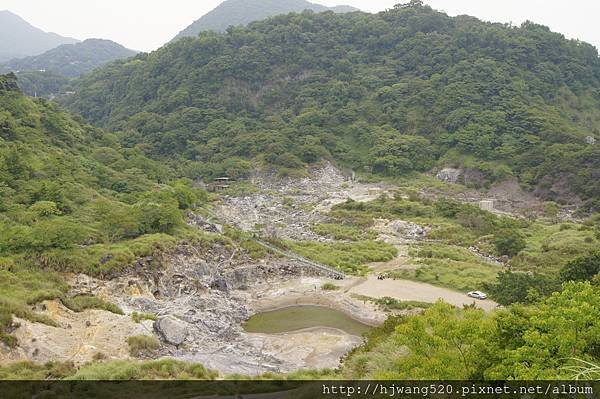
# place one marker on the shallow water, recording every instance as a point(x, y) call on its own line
point(296, 318)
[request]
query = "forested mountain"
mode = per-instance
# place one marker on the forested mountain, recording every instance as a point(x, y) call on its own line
point(42, 83)
point(242, 12)
point(71, 60)
point(20, 39)
point(401, 91)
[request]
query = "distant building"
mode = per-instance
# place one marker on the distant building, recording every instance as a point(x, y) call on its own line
point(486, 205)
point(220, 184)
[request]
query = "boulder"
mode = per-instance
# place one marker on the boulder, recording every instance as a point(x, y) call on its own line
point(220, 284)
point(407, 229)
point(172, 330)
point(449, 175)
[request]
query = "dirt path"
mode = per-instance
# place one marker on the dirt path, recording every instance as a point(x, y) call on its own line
point(406, 290)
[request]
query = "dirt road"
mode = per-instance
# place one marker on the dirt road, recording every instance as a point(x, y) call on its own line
point(406, 290)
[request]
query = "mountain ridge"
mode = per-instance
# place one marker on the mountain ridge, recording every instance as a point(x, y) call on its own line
point(71, 60)
point(403, 91)
point(19, 38)
point(243, 12)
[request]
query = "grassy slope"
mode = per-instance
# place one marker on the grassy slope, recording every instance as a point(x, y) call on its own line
point(444, 259)
point(72, 200)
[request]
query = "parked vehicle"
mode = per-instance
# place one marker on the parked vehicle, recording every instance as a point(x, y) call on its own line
point(477, 295)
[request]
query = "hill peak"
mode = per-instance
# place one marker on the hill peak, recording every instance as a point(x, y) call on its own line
point(18, 38)
point(242, 12)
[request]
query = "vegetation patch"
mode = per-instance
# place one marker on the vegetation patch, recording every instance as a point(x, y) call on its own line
point(29, 371)
point(139, 317)
point(330, 287)
point(348, 257)
point(151, 370)
point(449, 266)
point(84, 302)
point(123, 370)
point(139, 344)
point(471, 343)
point(396, 304)
point(21, 286)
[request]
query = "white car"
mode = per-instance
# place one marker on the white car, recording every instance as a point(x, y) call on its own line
point(477, 295)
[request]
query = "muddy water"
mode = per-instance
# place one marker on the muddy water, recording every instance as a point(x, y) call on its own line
point(296, 318)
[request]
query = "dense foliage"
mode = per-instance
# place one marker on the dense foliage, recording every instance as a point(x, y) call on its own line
point(42, 84)
point(536, 342)
point(400, 91)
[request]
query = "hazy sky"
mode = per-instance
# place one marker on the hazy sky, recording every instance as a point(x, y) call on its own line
point(147, 24)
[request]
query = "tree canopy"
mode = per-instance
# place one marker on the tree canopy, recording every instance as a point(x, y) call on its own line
point(400, 91)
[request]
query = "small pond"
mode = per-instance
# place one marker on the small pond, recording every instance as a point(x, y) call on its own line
point(296, 318)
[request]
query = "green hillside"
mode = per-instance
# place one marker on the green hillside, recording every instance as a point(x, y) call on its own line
point(402, 91)
point(71, 60)
point(73, 200)
point(105, 189)
point(242, 12)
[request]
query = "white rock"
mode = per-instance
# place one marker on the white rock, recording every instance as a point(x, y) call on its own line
point(172, 330)
point(449, 175)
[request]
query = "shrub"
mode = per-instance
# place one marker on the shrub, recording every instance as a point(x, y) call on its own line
point(395, 304)
point(166, 369)
point(158, 217)
point(186, 196)
point(329, 287)
point(142, 343)
point(117, 221)
point(139, 317)
point(581, 269)
point(520, 287)
point(45, 209)
point(509, 242)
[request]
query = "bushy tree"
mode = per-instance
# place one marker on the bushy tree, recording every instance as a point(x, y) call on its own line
point(401, 154)
point(444, 343)
point(536, 343)
point(185, 195)
point(584, 268)
point(44, 209)
point(516, 287)
point(509, 242)
point(117, 221)
point(158, 217)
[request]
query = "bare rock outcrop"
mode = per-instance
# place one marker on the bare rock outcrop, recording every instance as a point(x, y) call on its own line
point(171, 329)
point(449, 175)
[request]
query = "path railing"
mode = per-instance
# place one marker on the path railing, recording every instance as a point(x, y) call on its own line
point(292, 255)
point(289, 254)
